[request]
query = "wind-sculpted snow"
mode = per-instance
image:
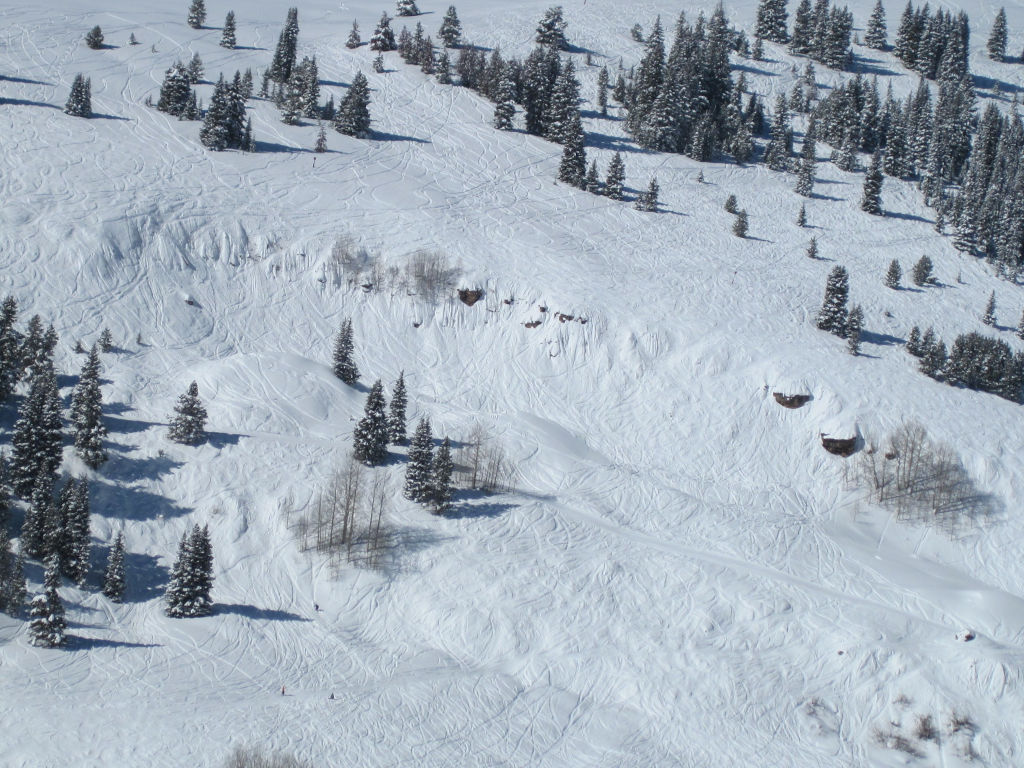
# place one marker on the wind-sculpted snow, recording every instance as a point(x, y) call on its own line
point(683, 576)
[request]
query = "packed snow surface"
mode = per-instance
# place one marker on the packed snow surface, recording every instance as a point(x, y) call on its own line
point(683, 576)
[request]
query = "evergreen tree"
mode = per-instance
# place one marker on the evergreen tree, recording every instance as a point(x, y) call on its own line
point(505, 106)
point(47, 626)
point(808, 162)
point(407, 8)
point(573, 167)
point(602, 91)
point(441, 480)
point(989, 317)
point(188, 424)
point(74, 537)
point(812, 248)
point(591, 183)
point(854, 323)
point(740, 226)
point(451, 29)
point(383, 38)
point(922, 273)
point(1020, 327)
point(287, 48)
point(396, 412)
point(343, 364)
point(874, 36)
point(195, 69)
point(771, 21)
point(12, 577)
point(86, 413)
point(914, 342)
point(94, 38)
point(648, 200)
point(444, 68)
point(616, 177)
point(871, 200)
point(10, 349)
point(370, 438)
point(731, 204)
point(37, 439)
point(801, 216)
point(354, 40)
point(353, 114)
point(114, 582)
point(893, 275)
point(216, 130)
point(551, 29)
point(997, 37)
point(227, 38)
point(419, 468)
point(175, 92)
point(5, 492)
point(933, 359)
point(39, 529)
point(188, 593)
point(197, 14)
point(832, 316)
point(79, 103)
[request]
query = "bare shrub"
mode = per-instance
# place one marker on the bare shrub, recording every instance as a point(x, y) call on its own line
point(482, 464)
point(253, 757)
point(351, 260)
point(923, 481)
point(892, 739)
point(925, 728)
point(431, 275)
point(347, 518)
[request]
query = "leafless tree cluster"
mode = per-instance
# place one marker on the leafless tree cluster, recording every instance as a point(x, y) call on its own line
point(481, 463)
point(923, 481)
point(431, 275)
point(252, 757)
point(346, 520)
point(427, 274)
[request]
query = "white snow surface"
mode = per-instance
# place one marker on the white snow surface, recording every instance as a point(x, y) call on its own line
point(683, 576)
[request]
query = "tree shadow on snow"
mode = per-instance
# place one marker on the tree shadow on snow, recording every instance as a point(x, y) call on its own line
point(76, 643)
point(249, 48)
point(754, 70)
point(381, 136)
point(872, 67)
point(881, 339)
point(335, 83)
point(128, 503)
point(274, 147)
point(222, 439)
point(28, 103)
point(989, 83)
point(252, 612)
point(906, 217)
point(25, 80)
point(101, 116)
point(116, 424)
point(615, 144)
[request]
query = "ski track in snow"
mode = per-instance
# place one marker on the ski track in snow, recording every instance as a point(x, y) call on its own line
point(682, 577)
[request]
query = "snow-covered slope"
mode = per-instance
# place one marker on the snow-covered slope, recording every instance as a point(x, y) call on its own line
point(683, 576)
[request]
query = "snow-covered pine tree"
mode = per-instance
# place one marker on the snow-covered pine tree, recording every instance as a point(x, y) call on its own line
point(188, 424)
point(87, 413)
point(801, 216)
point(286, 50)
point(731, 204)
point(812, 249)
point(321, 140)
point(114, 577)
point(832, 316)
point(648, 199)
point(406, 8)
point(37, 440)
point(996, 45)
point(227, 37)
point(354, 40)
point(79, 103)
point(419, 467)
point(1020, 327)
point(370, 438)
point(353, 113)
point(613, 184)
point(343, 364)
point(933, 359)
point(776, 155)
point(551, 29)
point(771, 21)
point(602, 91)
point(441, 479)
point(175, 91)
point(47, 626)
point(808, 162)
point(201, 550)
point(592, 183)
point(989, 316)
point(914, 342)
point(871, 200)
point(875, 34)
point(94, 38)
point(854, 325)
point(396, 412)
point(451, 29)
point(443, 68)
point(893, 275)
point(922, 273)
point(75, 537)
point(383, 38)
point(12, 577)
point(5, 492)
point(178, 588)
point(215, 132)
point(378, 63)
point(742, 223)
point(573, 167)
point(197, 14)
point(505, 103)
point(10, 348)
point(195, 69)
point(39, 528)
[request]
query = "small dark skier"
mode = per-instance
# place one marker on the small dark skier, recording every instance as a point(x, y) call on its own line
point(282, 690)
